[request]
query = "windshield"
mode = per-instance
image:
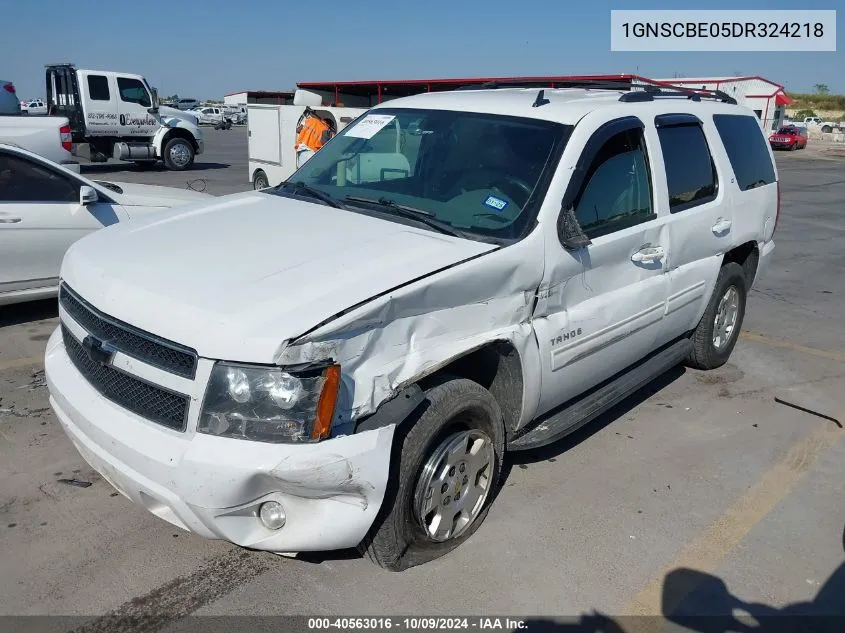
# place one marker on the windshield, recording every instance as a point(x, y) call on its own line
point(482, 175)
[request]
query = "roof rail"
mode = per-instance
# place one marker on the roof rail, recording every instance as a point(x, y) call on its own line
point(650, 91)
point(644, 92)
point(594, 84)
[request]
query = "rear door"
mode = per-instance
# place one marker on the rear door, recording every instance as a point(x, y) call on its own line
point(100, 101)
point(691, 184)
point(40, 217)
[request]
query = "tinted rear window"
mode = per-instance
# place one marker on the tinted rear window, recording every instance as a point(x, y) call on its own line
point(747, 149)
point(689, 167)
point(98, 88)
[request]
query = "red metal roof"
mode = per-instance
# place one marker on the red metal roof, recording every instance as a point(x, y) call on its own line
point(782, 99)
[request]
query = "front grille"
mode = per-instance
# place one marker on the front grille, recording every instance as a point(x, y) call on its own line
point(146, 347)
point(154, 403)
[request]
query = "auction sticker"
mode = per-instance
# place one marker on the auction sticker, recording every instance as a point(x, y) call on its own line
point(369, 125)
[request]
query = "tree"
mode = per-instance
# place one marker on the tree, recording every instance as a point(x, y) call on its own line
point(822, 89)
point(803, 114)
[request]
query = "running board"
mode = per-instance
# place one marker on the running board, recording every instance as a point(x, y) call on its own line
point(579, 412)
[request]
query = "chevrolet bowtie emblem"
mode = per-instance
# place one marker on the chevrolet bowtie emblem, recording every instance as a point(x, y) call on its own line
point(99, 351)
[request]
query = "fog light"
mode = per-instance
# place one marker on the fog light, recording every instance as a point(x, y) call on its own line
point(272, 515)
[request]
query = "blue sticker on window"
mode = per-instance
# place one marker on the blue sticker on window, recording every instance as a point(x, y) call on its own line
point(497, 204)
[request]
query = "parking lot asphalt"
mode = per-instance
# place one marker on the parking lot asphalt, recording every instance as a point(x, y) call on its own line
point(700, 471)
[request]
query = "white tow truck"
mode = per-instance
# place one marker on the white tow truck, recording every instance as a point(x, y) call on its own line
point(272, 134)
point(117, 115)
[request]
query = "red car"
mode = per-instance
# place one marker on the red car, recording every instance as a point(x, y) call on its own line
point(789, 137)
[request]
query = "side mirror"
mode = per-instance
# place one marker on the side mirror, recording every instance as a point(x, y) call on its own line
point(154, 109)
point(569, 231)
point(87, 195)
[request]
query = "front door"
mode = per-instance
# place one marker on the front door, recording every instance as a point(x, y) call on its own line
point(40, 217)
point(601, 306)
point(133, 102)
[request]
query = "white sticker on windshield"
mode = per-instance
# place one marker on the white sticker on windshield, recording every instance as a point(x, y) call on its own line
point(369, 126)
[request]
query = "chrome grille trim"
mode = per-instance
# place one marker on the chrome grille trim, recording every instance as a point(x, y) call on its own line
point(152, 402)
point(143, 346)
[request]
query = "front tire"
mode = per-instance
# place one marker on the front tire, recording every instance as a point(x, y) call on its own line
point(260, 180)
point(444, 478)
point(178, 154)
point(716, 334)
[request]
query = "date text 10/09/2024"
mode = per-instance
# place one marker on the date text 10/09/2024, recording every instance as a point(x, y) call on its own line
point(417, 623)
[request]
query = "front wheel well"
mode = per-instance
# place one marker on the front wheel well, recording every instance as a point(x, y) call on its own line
point(498, 368)
point(178, 132)
point(746, 255)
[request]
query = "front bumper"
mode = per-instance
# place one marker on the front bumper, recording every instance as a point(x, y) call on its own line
point(331, 491)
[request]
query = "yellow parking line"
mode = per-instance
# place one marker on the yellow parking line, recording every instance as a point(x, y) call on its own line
point(795, 347)
point(717, 541)
point(21, 362)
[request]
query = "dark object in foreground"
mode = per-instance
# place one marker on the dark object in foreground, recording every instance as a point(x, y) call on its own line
point(75, 482)
point(810, 411)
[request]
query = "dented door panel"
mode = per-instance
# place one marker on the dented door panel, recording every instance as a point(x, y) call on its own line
point(601, 312)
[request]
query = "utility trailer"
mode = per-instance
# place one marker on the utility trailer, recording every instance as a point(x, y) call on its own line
point(272, 135)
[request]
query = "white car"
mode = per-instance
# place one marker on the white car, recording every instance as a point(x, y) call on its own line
point(343, 360)
point(185, 104)
point(44, 208)
point(36, 107)
point(9, 103)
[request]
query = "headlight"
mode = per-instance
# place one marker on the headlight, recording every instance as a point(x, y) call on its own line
point(266, 404)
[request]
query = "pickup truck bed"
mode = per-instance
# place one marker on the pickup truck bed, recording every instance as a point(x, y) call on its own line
point(47, 136)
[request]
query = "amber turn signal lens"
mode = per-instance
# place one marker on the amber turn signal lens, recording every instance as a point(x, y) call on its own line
point(326, 404)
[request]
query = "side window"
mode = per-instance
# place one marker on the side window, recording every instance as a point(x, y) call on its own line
point(98, 88)
point(22, 180)
point(690, 172)
point(617, 193)
point(747, 150)
point(133, 91)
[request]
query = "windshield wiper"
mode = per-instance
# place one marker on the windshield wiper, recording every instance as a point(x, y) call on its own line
point(412, 213)
point(387, 202)
point(322, 196)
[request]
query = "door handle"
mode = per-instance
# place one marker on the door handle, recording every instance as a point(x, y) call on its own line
point(9, 220)
point(648, 255)
point(722, 225)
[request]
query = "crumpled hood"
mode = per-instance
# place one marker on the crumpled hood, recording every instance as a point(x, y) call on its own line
point(237, 277)
point(154, 195)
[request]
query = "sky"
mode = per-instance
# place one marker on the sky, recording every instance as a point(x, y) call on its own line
point(204, 49)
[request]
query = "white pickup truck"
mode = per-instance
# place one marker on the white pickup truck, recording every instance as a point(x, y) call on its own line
point(49, 137)
point(826, 126)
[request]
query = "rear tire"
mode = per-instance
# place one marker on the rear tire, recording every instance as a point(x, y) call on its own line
point(445, 471)
point(260, 180)
point(718, 330)
point(178, 154)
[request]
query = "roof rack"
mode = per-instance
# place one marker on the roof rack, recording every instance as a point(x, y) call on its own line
point(644, 92)
point(650, 91)
point(595, 84)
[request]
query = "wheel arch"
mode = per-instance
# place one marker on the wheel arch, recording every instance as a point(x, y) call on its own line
point(177, 132)
point(746, 255)
point(495, 365)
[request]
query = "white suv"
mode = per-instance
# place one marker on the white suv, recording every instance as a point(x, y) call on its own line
point(344, 360)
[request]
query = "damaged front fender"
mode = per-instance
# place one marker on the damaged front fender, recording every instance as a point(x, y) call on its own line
point(397, 338)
